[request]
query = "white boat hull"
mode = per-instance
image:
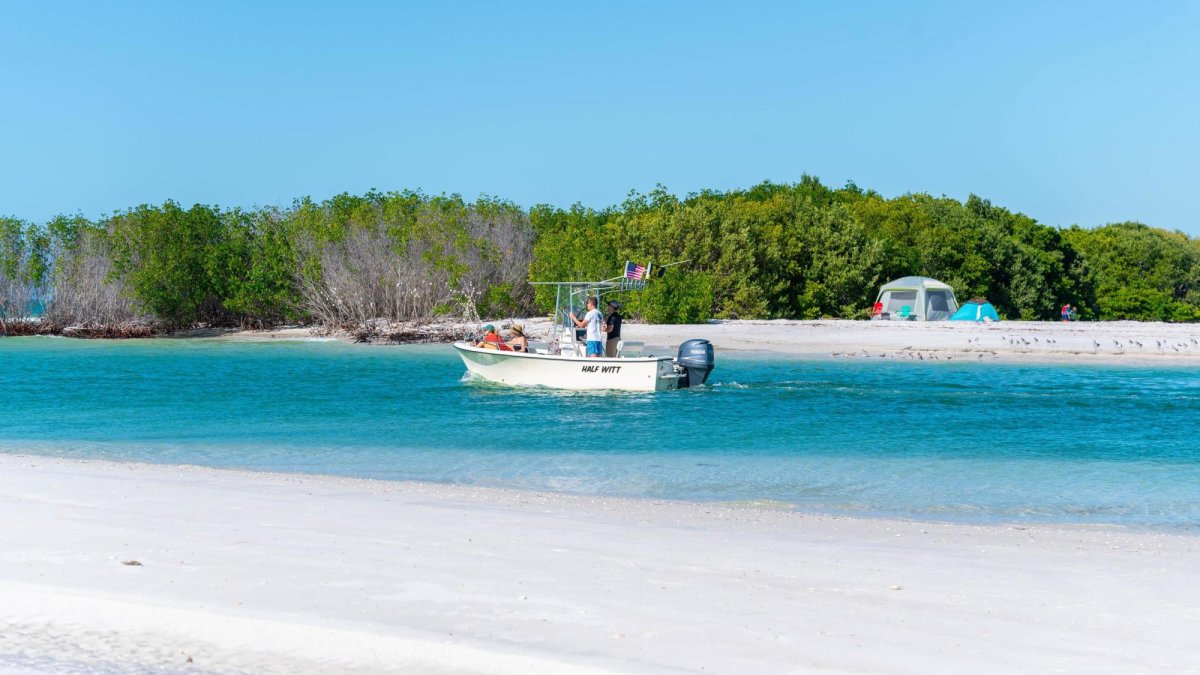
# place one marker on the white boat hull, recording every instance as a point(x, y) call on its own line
point(642, 373)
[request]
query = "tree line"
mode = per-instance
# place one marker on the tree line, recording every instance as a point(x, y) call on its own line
point(800, 251)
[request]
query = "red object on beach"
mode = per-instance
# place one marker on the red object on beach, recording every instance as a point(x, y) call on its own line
point(878, 309)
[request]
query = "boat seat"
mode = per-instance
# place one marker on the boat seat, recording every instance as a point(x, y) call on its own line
point(630, 347)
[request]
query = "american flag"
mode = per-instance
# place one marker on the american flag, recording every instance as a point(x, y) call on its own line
point(634, 271)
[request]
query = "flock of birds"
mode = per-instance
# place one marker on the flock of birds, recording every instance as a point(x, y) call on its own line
point(902, 354)
point(1020, 341)
point(1159, 345)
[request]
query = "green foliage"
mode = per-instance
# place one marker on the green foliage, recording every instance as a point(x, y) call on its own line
point(254, 269)
point(165, 254)
point(13, 247)
point(24, 267)
point(1140, 272)
point(801, 250)
point(678, 297)
point(809, 251)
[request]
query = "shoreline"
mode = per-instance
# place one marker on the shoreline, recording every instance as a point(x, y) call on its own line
point(357, 575)
point(1032, 342)
point(1131, 342)
point(502, 493)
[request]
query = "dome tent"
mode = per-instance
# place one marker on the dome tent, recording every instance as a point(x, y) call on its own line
point(976, 309)
point(915, 299)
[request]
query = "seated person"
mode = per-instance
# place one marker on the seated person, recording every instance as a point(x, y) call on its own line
point(518, 341)
point(492, 340)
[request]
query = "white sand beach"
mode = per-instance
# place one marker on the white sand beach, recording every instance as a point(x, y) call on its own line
point(265, 573)
point(1108, 341)
point(1028, 341)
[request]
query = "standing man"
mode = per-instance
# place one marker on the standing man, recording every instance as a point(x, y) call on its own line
point(612, 328)
point(591, 321)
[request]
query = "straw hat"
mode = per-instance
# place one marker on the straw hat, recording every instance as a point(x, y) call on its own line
point(518, 329)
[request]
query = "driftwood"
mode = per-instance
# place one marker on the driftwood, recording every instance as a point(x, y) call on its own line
point(405, 334)
point(423, 335)
point(121, 331)
point(22, 327)
point(108, 331)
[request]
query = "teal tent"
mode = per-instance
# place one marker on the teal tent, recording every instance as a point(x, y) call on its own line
point(976, 309)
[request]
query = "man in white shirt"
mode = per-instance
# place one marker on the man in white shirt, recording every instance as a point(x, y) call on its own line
point(591, 321)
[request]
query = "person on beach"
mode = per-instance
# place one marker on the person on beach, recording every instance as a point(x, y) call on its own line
point(492, 340)
point(612, 329)
point(518, 341)
point(1066, 312)
point(591, 321)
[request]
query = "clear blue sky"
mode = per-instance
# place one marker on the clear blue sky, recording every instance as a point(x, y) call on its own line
point(1070, 112)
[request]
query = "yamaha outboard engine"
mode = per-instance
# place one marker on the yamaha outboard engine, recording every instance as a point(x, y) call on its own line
point(696, 360)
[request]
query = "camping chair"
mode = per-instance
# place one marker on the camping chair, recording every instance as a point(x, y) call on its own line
point(905, 312)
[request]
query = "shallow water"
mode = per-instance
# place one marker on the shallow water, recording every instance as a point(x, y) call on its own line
point(944, 441)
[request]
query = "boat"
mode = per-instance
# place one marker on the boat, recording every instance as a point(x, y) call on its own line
point(560, 362)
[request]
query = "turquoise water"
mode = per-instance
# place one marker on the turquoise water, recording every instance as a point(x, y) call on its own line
point(939, 441)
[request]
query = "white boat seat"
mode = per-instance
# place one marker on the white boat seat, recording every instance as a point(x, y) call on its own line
point(630, 347)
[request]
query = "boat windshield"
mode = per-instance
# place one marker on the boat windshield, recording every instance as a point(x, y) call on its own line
point(570, 297)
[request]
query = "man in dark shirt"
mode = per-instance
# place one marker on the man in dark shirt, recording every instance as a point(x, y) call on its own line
point(612, 329)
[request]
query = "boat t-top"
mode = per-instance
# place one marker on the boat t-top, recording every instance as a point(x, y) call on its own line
point(561, 361)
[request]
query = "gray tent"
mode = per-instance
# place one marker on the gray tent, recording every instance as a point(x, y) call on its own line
point(915, 299)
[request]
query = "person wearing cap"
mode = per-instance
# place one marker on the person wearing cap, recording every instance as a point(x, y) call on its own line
point(591, 321)
point(492, 340)
point(518, 341)
point(612, 329)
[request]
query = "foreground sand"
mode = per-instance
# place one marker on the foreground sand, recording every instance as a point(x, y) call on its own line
point(1033, 341)
point(263, 573)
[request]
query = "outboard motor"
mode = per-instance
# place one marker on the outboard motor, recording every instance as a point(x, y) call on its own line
point(696, 360)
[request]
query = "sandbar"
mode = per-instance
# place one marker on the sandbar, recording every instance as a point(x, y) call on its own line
point(1107, 342)
point(114, 567)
